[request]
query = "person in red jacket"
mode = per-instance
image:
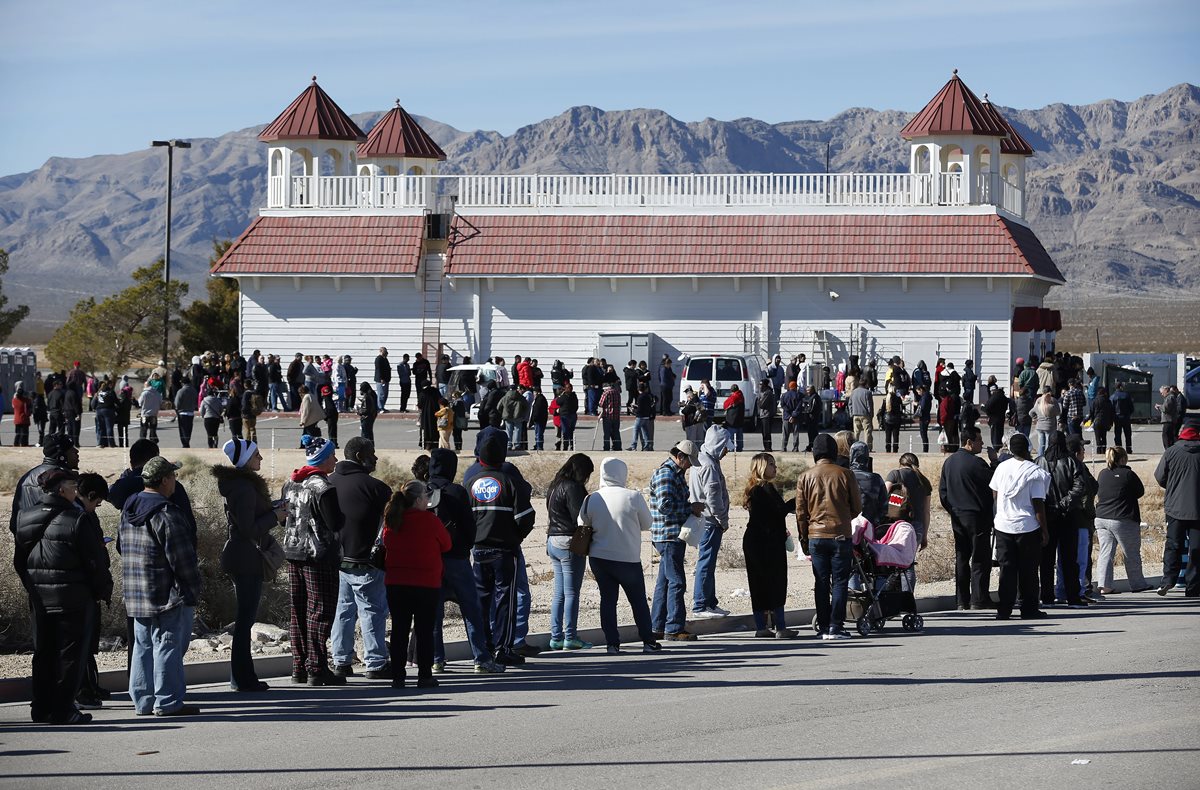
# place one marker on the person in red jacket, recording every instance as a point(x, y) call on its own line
point(22, 407)
point(415, 540)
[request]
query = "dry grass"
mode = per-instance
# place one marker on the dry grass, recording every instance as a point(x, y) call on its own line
point(731, 558)
point(10, 475)
point(393, 474)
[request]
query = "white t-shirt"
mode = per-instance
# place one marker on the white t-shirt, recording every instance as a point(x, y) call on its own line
point(1017, 483)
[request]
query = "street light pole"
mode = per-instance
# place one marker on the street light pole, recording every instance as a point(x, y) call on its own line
point(170, 145)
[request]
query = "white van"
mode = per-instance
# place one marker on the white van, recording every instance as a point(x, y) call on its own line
point(722, 372)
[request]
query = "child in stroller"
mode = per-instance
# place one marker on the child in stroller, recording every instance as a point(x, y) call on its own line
point(885, 566)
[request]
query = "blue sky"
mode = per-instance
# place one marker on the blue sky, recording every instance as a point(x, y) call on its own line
point(83, 78)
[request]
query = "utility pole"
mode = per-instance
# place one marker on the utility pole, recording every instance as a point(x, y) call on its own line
point(170, 145)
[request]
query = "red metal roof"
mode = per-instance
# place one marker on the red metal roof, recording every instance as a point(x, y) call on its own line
point(777, 244)
point(1014, 143)
point(399, 134)
point(312, 116)
point(388, 245)
point(954, 110)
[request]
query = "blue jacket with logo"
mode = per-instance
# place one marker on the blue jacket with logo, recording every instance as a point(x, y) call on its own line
point(498, 495)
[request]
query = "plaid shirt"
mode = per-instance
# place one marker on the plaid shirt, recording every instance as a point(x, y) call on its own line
point(669, 507)
point(610, 404)
point(159, 567)
point(1074, 403)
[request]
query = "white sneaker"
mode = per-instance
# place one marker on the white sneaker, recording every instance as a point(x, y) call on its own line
point(704, 614)
point(718, 611)
point(836, 635)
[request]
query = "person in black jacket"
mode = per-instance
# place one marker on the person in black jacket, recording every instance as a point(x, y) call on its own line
point(295, 380)
point(568, 414)
point(563, 502)
point(61, 560)
point(965, 493)
point(764, 408)
point(250, 516)
point(330, 410)
point(362, 595)
point(499, 497)
point(924, 403)
point(1178, 473)
point(452, 505)
point(1123, 416)
point(1065, 501)
point(367, 409)
point(59, 452)
point(383, 377)
point(666, 386)
point(996, 409)
point(539, 415)
point(351, 381)
point(763, 545)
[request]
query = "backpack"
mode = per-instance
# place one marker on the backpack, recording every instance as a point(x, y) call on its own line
point(900, 379)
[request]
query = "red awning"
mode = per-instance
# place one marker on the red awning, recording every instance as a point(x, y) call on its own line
point(1045, 319)
point(1027, 319)
point(1055, 321)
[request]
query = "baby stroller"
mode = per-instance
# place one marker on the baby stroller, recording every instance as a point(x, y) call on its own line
point(883, 567)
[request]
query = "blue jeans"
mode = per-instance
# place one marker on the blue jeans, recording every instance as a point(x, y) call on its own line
point(668, 613)
point(275, 396)
point(612, 577)
point(568, 428)
point(524, 600)
point(564, 601)
point(495, 582)
point(156, 680)
point(704, 595)
point(513, 431)
point(1084, 548)
point(458, 582)
point(1043, 442)
point(363, 597)
point(539, 435)
point(643, 431)
point(248, 590)
point(831, 570)
point(381, 390)
point(760, 620)
point(591, 398)
point(736, 435)
point(106, 420)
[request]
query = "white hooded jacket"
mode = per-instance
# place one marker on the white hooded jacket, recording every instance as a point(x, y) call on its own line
point(617, 515)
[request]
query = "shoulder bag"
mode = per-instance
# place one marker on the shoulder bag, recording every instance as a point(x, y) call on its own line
point(378, 558)
point(581, 540)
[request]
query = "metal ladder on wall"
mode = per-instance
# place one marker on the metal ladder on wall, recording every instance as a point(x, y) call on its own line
point(431, 307)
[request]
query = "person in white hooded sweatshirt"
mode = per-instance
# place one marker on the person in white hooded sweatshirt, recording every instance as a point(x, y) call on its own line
point(706, 484)
point(618, 517)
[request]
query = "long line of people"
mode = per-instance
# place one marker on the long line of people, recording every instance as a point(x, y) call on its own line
point(354, 549)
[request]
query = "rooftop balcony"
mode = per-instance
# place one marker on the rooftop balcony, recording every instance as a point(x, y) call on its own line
point(774, 192)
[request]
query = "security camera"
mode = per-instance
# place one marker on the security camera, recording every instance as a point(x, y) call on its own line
point(833, 295)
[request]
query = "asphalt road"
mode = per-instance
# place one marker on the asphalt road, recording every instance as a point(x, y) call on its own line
point(400, 431)
point(1100, 698)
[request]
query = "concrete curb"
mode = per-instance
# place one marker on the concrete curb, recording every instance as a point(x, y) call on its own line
point(203, 672)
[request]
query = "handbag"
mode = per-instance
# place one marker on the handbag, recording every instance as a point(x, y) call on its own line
point(581, 539)
point(272, 558)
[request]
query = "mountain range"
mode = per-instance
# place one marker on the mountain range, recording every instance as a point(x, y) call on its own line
point(1113, 189)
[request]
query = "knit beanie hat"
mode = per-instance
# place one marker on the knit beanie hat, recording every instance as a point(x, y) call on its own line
point(239, 451)
point(316, 449)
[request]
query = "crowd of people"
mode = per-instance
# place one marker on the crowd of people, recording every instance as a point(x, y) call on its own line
point(355, 550)
point(229, 392)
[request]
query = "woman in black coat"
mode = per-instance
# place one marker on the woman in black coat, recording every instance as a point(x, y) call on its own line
point(764, 546)
point(1103, 416)
point(368, 409)
point(250, 515)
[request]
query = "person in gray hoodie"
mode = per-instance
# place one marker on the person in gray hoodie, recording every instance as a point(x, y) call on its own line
point(707, 486)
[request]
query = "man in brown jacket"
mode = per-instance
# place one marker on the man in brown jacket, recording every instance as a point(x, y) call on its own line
point(827, 499)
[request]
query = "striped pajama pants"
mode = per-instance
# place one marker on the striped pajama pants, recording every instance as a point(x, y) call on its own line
point(314, 591)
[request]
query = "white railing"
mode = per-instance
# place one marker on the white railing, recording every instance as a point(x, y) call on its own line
point(886, 190)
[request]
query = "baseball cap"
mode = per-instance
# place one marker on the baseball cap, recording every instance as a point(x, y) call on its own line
point(689, 448)
point(156, 469)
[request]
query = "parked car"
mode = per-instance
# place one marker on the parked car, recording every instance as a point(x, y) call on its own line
point(722, 372)
point(1191, 387)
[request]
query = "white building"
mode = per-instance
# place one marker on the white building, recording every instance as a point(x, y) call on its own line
point(362, 244)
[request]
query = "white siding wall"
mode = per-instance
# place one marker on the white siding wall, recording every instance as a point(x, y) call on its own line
point(278, 319)
point(552, 322)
